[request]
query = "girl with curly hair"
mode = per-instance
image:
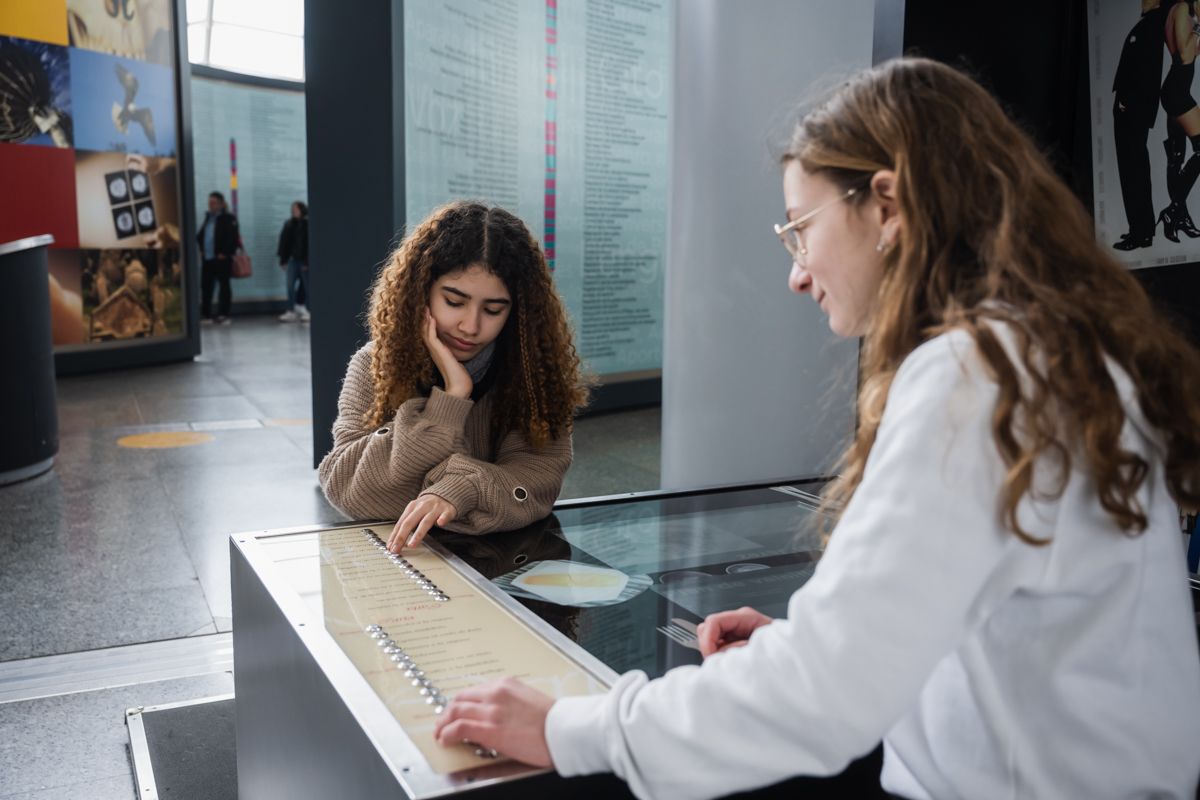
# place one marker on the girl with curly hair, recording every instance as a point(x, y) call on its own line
point(1003, 599)
point(458, 412)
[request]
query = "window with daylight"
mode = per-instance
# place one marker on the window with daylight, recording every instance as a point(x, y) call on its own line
point(255, 37)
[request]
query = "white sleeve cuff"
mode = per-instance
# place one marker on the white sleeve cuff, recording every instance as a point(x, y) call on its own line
point(575, 735)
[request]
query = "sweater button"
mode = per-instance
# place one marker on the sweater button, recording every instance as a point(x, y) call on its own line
point(520, 494)
point(383, 431)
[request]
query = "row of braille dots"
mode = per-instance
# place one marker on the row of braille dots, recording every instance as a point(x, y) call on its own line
point(429, 586)
point(404, 661)
point(416, 675)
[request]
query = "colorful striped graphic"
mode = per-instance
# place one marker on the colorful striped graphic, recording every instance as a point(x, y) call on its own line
point(551, 126)
point(233, 176)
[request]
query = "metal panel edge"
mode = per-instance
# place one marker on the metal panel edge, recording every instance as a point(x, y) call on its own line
point(668, 494)
point(216, 698)
point(139, 752)
point(27, 243)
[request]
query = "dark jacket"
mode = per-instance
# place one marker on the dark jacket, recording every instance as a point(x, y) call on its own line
point(1139, 71)
point(293, 240)
point(226, 238)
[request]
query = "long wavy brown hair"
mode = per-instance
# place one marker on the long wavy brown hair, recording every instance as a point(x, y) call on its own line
point(990, 234)
point(539, 383)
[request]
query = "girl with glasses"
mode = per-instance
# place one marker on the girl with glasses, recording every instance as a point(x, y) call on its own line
point(1003, 599)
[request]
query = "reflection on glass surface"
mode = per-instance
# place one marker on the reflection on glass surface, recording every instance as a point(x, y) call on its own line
point(700, 554)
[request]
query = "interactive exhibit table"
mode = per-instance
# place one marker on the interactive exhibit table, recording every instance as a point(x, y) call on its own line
point(345, 654)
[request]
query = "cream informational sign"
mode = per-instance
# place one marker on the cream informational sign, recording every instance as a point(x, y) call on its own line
point(419, 632)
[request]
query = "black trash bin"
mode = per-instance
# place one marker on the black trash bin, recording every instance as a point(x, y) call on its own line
point(28, 408)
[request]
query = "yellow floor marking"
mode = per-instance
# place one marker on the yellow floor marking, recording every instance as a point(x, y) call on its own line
point(164, 439)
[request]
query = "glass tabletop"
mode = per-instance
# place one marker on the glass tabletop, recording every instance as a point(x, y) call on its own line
point(628, 579)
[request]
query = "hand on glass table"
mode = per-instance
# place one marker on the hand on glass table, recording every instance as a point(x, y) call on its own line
point(728, 629)
point(419, 516)
point(505, 715)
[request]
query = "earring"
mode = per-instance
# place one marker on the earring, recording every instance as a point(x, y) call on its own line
point(879, 248)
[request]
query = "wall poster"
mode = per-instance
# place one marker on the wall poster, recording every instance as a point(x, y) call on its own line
point(559, 114)
point(88, 150)
point(1145, 129)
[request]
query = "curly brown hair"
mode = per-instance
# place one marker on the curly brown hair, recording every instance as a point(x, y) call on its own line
point(540, 384)
point(990, 234)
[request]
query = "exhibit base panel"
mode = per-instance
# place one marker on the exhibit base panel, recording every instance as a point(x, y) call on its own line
point(296, 738)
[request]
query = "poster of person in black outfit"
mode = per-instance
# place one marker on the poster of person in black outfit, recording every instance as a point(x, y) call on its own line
point(1135, 110)
point(218, 239)
point(1142, 59)
point(1183, 118)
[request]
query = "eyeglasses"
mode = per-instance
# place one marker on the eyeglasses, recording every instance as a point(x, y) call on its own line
point(789, 234)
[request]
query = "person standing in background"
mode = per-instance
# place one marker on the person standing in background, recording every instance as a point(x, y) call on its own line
point(218, 240)
point(293, 257)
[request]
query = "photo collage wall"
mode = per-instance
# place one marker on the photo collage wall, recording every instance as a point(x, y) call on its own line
point(88, 151)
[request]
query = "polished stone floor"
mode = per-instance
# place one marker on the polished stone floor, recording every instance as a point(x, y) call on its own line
point(118, 546)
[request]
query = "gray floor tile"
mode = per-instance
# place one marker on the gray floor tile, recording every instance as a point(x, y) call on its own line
point(632, 436)
point(195, 409)
point(90, 388)
point(96, 560)
point(211, 504)
point(96, 565)
point(94, 457)
point(299, 384)
point(94, 538)
point(599, 475)
point(118, 787)
point(301, 435)
point(265, 446)
point(271, 368)
point(210, 628)
point(56, 744)
point(16, 638)
point(65, 619)
point(76, 416)
point(282, 404)
point(76, 623)
point(181, 380)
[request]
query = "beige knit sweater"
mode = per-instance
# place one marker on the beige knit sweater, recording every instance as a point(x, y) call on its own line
point(437, 445)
